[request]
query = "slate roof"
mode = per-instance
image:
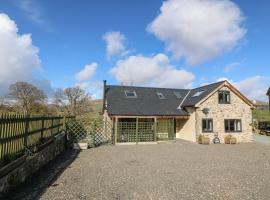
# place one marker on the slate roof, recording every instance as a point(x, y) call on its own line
point(192, 101)
point(148, 103)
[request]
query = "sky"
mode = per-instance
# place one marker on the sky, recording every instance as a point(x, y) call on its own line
point(174, 43)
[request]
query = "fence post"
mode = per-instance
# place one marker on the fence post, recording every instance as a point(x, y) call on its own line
point(1, 133)
point(115, 130)
point(27, 120)
point(137, 128)
point(52, 128)
point(94, 132)
point(64, 123)
point(42, 128)
point(173, 128)
point(155, 129)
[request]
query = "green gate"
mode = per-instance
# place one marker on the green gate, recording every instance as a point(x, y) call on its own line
point(165, 129)
point(136, 131)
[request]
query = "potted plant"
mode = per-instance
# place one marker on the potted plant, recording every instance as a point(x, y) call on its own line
point(82, 145)
point(233, 140)
point(202, 139)
point(206, 140)
point(227, 139)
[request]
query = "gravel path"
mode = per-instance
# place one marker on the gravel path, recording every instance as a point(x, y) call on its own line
point(180, 170)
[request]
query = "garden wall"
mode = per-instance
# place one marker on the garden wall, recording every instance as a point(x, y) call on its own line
point(31, 164)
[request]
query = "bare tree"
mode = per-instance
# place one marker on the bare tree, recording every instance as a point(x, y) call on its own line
point(71, 100)
point(26, 95)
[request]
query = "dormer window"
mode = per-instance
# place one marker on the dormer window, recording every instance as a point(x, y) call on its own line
point(199, 93)
point(130, 94)
point(160, 95)
point(224, 97)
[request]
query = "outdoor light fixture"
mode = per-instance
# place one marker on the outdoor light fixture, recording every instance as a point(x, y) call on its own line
point(205, 111)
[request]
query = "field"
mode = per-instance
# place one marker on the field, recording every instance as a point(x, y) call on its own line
point(95, 111)
point(261, 115)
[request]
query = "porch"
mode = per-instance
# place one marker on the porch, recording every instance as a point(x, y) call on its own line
point(145, 129)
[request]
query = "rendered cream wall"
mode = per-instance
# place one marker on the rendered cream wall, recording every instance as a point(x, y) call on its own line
point(185, 128)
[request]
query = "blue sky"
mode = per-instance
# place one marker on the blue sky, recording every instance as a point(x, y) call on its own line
point(70, 35)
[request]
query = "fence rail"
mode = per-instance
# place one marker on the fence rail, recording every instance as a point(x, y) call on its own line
point(18, 132)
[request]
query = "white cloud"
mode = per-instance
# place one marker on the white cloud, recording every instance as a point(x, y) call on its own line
point(224, 79)
point(86, 73)
point(115, 42)
point(95, 89)
point(231, 66)
point(33, 11)
point(198, 30)
point(254, 87)
point(151, 71)
point(18, 56)
point(84, 81)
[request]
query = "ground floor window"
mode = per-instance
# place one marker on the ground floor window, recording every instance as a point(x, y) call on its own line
point(207, 125)
point(233, 125)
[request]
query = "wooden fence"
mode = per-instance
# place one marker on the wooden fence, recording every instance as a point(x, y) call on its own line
point(19, 131)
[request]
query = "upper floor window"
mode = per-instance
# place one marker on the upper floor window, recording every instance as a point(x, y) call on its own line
point(160, 95)
point(224, 97)
point(207, 125)
point(130, 94)
point(233, 125)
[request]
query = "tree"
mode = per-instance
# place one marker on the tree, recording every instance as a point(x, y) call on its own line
point(73, 100)
point(26, 95)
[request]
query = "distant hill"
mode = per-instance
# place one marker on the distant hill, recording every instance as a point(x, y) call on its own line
point(95, 111)
point(261, 105)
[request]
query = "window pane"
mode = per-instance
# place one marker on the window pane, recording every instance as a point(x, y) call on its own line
point(207, 125)
point(224, 97)
point(226, 125)
point(232, 127)
point(210, 125)
point(204, 125)
point(220, 97)
point(228, 98)
point(130, 94)
point(238, 125)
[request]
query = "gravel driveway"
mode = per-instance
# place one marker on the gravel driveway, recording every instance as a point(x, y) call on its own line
point(180, 170)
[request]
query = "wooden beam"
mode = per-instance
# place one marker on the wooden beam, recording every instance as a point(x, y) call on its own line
point(115, 130)
point(155, 129)
point(142, 117)
point(137, 128)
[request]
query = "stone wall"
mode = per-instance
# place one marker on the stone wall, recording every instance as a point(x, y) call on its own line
point(32, 164)
point(237, 109)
